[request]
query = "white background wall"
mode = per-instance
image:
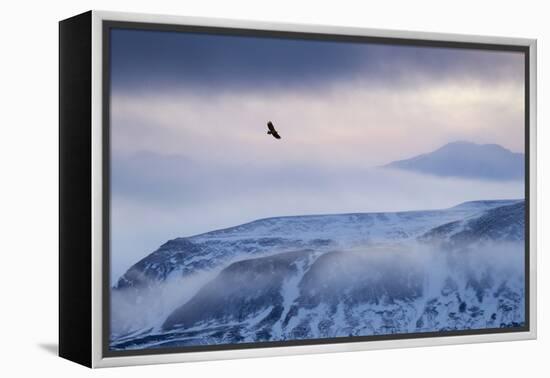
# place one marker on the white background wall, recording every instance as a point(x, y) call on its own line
point(28, 200)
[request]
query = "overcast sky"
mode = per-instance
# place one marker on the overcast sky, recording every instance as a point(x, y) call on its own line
point(190, 151)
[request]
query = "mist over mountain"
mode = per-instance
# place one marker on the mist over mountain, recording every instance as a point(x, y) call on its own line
point(467, 160)
point(318, 276)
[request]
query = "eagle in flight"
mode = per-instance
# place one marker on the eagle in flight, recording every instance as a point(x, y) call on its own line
point(272, 130)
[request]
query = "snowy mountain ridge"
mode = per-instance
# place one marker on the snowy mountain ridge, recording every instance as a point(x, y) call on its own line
point(276, 234)
point(321, 276)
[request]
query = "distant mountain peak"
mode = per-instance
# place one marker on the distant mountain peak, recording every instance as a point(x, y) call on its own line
point(467, 144)
point(467, 160)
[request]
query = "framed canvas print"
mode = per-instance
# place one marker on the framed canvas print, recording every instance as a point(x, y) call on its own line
point(235, 189)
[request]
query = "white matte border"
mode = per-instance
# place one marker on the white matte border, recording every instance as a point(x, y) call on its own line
point(97, 190)
point(97, 358)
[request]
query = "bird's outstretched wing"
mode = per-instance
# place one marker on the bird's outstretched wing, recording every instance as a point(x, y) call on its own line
point(272, 130)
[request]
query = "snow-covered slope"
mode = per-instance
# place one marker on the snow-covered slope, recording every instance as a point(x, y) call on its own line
point(328, 276)
point(183, 256)
point(504, 223)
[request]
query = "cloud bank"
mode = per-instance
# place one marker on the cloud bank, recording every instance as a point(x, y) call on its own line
point(188, 137)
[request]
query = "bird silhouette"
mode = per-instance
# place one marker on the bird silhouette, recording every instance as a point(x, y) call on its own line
point(272, 130)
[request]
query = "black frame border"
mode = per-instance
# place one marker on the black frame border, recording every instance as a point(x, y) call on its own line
point(75, 189)
point(108, 25)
